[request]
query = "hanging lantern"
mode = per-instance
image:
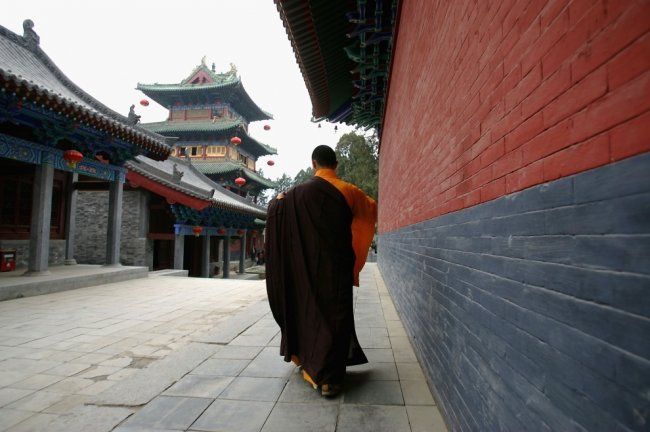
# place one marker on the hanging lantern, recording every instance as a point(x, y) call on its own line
point(240, 181)
point(72, 158)
point(221, 231)
point(235, 140)
point(270, 163)
point(197, 230)
point(144, 102)
point(240, 232)
point(336, 128)
point(319, 125)
point(267, 127)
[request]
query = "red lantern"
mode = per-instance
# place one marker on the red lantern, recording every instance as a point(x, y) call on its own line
point(240, 181)
point(240, 232)
point(221, 231)
point(235, 140)
point(270, 163)
point(267, 127)
point(72, 158)
point(144, 102)
point(197, 230)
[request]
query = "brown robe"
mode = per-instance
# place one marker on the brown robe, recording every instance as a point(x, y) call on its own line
point(309, 275)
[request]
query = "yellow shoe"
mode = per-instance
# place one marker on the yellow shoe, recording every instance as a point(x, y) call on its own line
point(307, 378)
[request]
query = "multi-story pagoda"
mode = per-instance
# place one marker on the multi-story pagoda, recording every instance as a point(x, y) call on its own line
point(209, 113)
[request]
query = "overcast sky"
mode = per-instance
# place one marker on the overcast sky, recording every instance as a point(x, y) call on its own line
point(108, 47)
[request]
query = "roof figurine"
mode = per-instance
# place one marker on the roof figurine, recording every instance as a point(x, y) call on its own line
point(29, 34)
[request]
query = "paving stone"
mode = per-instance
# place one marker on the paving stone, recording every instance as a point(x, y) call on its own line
point(38, 401)
point(70, 385)
point(35, 423)
point(37, 382)
point(67, 404)
point(237, 352)
point(167, 412)
point(233, 416)
point(299, 391)
point(199, 386)
point(269, 364)
point(119, 362)
point(296, 417)
point(425, 419)
point(372, 418)
point(410, 372)
point(96, 388)
point(98, 371)
point(373, 393)
point(68, 369)
point(254, 389)
point(89, 418)
point(233, 326)
point(379, 355)
point(10, 417)
point(7, 378)
point(27, 366)
point(372, 372)
point(9, 395)
point(143, 429)
point(221, 367)
point(122, 373)
point(416, 393)
point(153, 380)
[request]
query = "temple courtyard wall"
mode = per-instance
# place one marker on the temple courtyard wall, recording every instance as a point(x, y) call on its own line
point(92, 219)
point(514, 203)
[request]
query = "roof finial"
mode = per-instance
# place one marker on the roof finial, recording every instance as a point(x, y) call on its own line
point(233, 69)
point(133, 118)
point(203, 60)
point(29, 35)
point(213, 67)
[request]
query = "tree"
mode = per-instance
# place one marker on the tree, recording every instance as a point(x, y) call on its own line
point(283, 183)
point(358, 161)
point(303, 175)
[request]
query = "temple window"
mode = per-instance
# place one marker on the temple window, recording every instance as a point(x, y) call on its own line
point(195, 151)
point(216, 151)
point(243, 159)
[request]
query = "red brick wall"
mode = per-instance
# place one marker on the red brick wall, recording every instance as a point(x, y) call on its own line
point(490, 97)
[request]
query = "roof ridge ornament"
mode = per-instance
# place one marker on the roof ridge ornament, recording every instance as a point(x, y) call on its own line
point(29, 35)
point(233, 70)
point(177, 174)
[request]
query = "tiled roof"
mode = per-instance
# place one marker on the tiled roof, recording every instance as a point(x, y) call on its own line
point(212, 168)
point(183, 176)
point(170, 128)
point(29, 72)
point(227, 86)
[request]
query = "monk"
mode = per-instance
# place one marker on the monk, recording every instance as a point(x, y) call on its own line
point(318, 235)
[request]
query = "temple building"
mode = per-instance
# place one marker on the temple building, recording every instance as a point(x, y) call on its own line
point(174, 218)
point(209, 113)
point(52, 136)
point(514, 195)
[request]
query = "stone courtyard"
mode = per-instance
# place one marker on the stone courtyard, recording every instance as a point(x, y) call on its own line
point(177, 354)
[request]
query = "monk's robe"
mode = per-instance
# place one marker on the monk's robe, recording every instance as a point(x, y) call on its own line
point(309, 276)
point(364, 217)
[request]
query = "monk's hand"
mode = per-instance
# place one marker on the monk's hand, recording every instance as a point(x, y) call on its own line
point(280, 196)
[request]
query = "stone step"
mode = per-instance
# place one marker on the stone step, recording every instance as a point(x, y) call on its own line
point(63, 278)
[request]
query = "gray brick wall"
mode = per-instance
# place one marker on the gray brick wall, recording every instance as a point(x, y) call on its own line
point(57, 251)
point(92, 217)
point(532, 311)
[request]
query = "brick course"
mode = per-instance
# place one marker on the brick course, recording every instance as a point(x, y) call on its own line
point(531, 311)
point(493, 97)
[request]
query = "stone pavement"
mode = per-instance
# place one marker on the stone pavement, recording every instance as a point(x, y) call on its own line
point(176, 354)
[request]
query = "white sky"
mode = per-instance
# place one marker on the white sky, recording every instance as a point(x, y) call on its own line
point(108, 47)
